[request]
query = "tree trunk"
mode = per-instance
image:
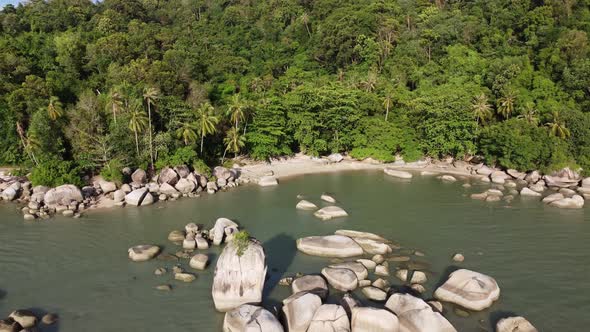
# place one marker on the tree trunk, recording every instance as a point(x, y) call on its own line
point(307, 28)
point(114, 115)
point(202, 138)
point(136, 143)
point(150, 128)
point(386, 112)
point(223, 158)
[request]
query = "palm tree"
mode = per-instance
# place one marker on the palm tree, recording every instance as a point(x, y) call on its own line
point(529, 114)
point(187, 132)
point(370, 83)
point(305, 19)
point(30, 144)
point(557, 126)
point(150, 95)
point(206, 121)
point(506, 106)
point(236, 110)
point(115, 103)
point(234, 142)
point(54, 109)
point(387, 101)
point(137, 124)
point(482, 111)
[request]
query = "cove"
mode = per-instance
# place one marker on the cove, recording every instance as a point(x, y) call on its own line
point(79, 268)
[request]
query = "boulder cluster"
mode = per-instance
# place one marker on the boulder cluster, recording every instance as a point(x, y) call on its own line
point(25, 320)
point(139, 190)
point(326, 213)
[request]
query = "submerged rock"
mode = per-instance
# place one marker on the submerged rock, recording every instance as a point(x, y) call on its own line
point(329, 246)
point(398, 174)
point(330, 212)
point(469, 289)
point(367, 319)
point(458, 258)
point(143, 252)
point(250, 318)
point(239, 279)
point(329, 317)
point(418, 277)
point(176, 236)
point(185, 277)
point(49, 319)
point(328, 198)
point(306, 205)
point(299, 310)
point(199, 261)
point(448, 178)
point(515, 324)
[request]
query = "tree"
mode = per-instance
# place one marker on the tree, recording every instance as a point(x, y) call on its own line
point(482, 111)
point(236, 110)
point(233, 141)
point(506, 104)
point(137, 124)
point(54, 109)
point(557, 126)
point(206, 121)
point(305, 20)
point(528, 113)
point(150, 95)
point(387, 101)
point(115, 103)
point(187, 132)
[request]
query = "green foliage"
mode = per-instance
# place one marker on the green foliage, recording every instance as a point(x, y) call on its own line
point(112, 171)
point(53, 172)
point(241, 240)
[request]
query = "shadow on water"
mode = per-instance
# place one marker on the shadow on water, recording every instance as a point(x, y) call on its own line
point(280, 251)
point(2, 294)
point(41, 327)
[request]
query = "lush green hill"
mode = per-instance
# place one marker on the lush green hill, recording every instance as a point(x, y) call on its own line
point(83, 82)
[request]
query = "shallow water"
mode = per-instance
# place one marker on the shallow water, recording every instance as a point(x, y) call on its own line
point(79, 268)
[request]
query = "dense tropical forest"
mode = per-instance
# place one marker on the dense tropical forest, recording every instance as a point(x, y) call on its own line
point(88, 88)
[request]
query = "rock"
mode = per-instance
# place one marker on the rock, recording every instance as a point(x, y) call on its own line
point(381, 284)
point(415, 315)
point(119, 196)
point(217, 233)
point(49, 319)
point(177, 269)
point(185, 277)
point(183, 171)
point(306, 205)
point(148, 199)
point(330, 212)
point(160, 271)
point(68, 213)
point(367, 263)
point(374, 293)
point(381, 270)
point(436, 306)
point(107, 186)
point(191, 228)
point(358, 234)
point(364, 283)
point(135, 197)
point(348, 302)
point(562, 179)
point(239, 279)
point(299, 310)
point(201, 243)
point(164, 287)
point(398, 174)
point(418, 288)
point(367, 319)
point(566, 192)
point(126, 188)
point(495, 192)
point(329, 246)
point(378, 259)
point(185, 186)
point(528, 192)
point(448, 178)
point(418, 277)
point(143, 252)
point(167, 189)
point(25, 318)
point(9, 194)
point(469, 289)
point(139, 176)
point(28, 216)
point(373, 247)
point(328, 198)
point(461, 313)
point(189, 243)
point(514, 324)
point(162, 197)
point(312, 284)
point(168, 176)
point(358, 269)
point(153, 187)
point(340, 278)
point(286, 281)
point(221, 172)
point(211, 187)
point(576, 202)
point(249, 318)
point(458, 258)
point(329, 317)
point(484, 170)
point(516, 174)
point(9, 325)
point(335, 157)
point(267, 181)
point(63, 195)
point(399, 259)
point(176, 236)
point(199, 261)
point(552, 198)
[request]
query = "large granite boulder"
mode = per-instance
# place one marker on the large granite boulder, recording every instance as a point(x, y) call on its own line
point(373, 247)
point(529, 192)
point(586, 182)
point(39, 193)
point(143, 252)
point(398, 174)
point(514, 324)
point(374, 293)
point(185, 186)
point(183, 171)
point(552, 198)
point(329, 246)
point(562, 179)
point(330, 212)
point(139, 176)
point(575, 202)
point(217, 233)
point(469, 289)
point(167, 189)
point(415, 315)
point(222, 173)
point(107, 186)
point(135, 197)
point(335, 157)
point(9, 194)
point(119, 196)
point(63, 195)
point(367, 319)
point(359, 269)
point(359, 234)
point(239, 279)
point(25, 318)
point(341, 279)
point(299, 310)
point(312, 284)
point(329, 317)
point(250, 318)
point(168, 175)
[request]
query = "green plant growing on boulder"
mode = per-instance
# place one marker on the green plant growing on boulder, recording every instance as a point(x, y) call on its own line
point(241, 241)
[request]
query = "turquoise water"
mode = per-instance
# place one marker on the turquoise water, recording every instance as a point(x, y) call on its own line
point(79, 268)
